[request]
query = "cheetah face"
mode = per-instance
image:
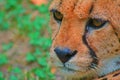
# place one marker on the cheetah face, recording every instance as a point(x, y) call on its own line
point(86, 37)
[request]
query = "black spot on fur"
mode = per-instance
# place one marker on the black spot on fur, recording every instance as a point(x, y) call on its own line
point(116, 50)
point(111, 45)
point(117, 36)
point(119, 5)
point(91, 9)
point(104, 79)
point(108, 51)
point(116, 74)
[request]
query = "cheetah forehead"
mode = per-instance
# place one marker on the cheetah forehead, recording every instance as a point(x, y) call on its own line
point(68, 7)
point(85, 8)
point(108, 10)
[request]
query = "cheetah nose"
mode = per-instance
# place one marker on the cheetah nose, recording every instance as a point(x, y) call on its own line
point(64, 54)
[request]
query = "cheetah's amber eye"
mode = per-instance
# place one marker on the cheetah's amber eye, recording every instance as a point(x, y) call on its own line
point(58, 16)
point(96, 23)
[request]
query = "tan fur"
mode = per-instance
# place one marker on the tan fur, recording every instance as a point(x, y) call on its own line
point(104, 41)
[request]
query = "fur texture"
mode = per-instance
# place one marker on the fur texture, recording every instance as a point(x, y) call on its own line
point(105, 41)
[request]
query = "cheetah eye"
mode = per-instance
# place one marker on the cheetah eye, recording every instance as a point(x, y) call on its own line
point(96, 23)
point(57, 15)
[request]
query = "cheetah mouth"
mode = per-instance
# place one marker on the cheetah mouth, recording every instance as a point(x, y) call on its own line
point(77, 69)
point(72, 68)
point(72, 72)
point(68, 69)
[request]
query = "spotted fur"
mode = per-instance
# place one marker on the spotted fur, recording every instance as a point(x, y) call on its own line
point(98, 50)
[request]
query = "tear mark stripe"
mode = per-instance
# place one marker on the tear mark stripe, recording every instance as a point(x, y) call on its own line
point(95, 61)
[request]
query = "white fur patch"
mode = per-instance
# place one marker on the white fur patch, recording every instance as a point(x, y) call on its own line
point(109, 65)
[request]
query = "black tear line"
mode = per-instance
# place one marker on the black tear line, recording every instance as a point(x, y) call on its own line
point(95, 61)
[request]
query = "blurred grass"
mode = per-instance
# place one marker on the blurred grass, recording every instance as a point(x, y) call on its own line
point(29, 25)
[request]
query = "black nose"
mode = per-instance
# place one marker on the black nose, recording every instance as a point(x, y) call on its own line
point(64, 54)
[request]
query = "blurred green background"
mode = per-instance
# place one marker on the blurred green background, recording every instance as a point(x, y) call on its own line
point(24, 41)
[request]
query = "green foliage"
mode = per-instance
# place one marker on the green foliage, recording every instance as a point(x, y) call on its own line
point(1, 76)
point(6, 47)
point(41, 61)
point(3, 59)
point(20, 15)
point(13, 77)
point(30, 57)
point(16, 70)
point(39, 73)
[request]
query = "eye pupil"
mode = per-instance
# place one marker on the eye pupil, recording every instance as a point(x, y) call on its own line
point(58, 16)
point(95, 23)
